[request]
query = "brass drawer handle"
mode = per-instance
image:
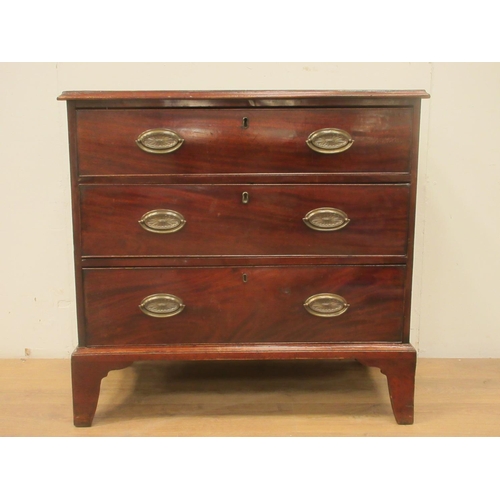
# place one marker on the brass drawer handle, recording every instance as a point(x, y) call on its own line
point(326, 305)
point(326, 219)
point(162, 221)
point(329, 140)
point(159, 141)
point(161, 305)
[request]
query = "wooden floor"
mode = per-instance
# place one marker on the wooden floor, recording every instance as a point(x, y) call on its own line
point(453, 398)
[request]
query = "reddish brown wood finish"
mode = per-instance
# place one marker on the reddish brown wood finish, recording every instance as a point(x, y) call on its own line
point(216, 95)
point(246, 261)
point(396, 361)
point(411, 220)
point(87, 373)
point(400, 372)
point(222, 308)
point(372, 263)
point(217, 142)
point(259, 178)
point(218, 223)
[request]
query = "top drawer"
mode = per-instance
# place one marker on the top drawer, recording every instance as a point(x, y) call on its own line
point(243, 140)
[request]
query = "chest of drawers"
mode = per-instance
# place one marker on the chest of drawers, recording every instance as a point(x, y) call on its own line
point(243, 225)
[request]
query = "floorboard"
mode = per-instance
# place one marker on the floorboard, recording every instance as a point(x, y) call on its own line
point(318, 398)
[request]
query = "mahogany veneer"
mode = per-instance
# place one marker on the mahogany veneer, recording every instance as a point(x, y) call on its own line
point(218, 224)
point(217, 142)
point(223, 235)
point(221, 308)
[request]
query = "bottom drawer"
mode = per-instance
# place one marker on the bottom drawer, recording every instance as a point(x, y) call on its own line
point(243, 305)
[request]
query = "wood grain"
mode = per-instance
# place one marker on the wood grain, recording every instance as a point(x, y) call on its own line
point(218, 223)
point(261, 316)
point(397, 361)
point(211, 95)
point(269, 306)
point(318, 398)
point(216, 142)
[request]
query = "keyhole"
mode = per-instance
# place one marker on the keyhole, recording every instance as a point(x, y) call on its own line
point(245, 122)
point(245, 278)
point(245, 197)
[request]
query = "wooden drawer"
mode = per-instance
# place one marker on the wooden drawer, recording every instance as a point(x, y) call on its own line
point(219, 222)
point(243, 140)
point(240, 305)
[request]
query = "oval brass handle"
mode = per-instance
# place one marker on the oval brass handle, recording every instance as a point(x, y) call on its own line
point(162, 221)
point(326, 219)
point(159, 141)
point(329, 140)
point(161, 305)
point(326, 305)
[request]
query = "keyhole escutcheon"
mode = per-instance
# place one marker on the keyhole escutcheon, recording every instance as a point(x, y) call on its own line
point(245, 197)
point(245, 122)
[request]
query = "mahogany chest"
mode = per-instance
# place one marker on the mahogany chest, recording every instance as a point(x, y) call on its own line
point(243, 225)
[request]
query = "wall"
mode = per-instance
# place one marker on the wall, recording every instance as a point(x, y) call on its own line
point(457, 242)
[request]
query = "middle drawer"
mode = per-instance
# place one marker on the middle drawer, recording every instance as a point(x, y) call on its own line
point(234, 220)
